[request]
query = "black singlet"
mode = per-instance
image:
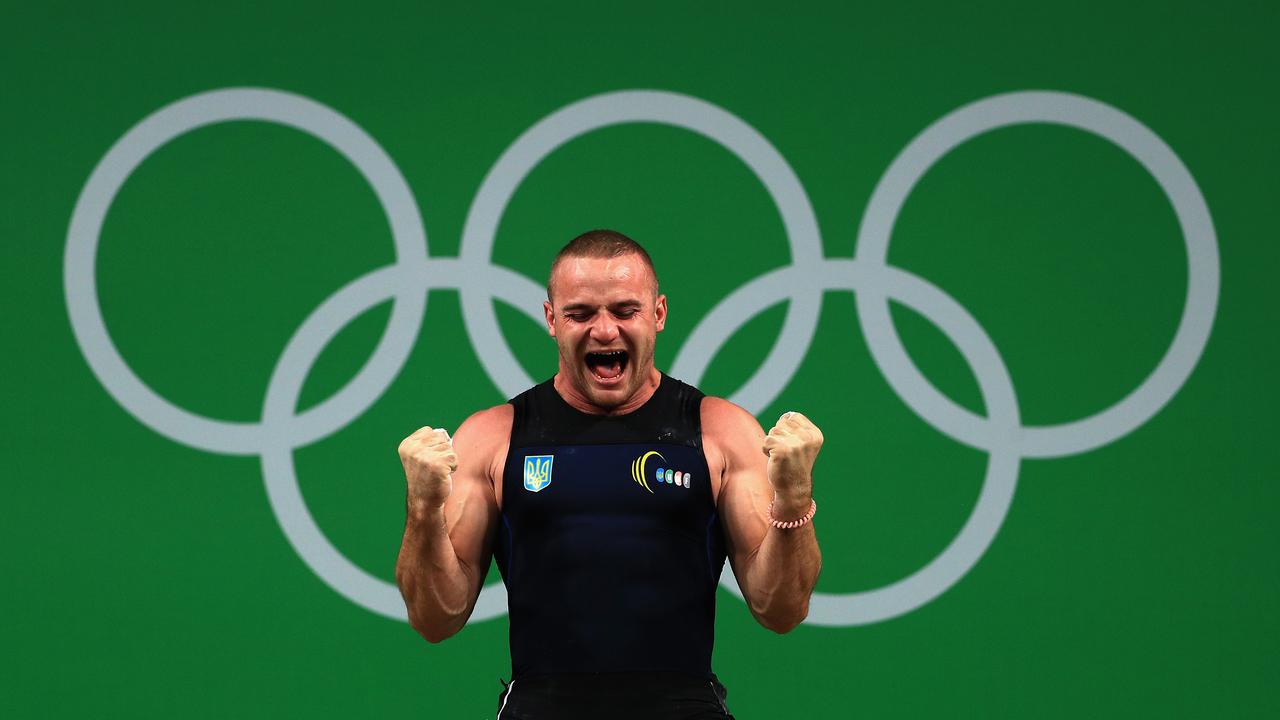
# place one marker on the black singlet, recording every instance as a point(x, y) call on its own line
point(610, 545)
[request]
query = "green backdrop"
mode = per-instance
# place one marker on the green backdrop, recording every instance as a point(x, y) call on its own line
point(147, 575)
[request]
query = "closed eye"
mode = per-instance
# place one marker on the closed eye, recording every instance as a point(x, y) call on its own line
point(625, 309)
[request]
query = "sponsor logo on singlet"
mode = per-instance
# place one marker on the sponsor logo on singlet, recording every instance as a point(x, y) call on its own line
point(640, 473)
point(537, 471)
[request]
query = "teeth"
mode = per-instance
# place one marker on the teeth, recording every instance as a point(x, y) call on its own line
point(607, 358)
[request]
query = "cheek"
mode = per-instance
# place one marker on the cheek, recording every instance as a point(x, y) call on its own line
point(571, 337)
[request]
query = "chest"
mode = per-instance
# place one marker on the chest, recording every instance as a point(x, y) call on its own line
point(565, 481)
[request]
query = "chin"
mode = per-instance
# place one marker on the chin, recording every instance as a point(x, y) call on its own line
point(607, 399)
point(610, 398)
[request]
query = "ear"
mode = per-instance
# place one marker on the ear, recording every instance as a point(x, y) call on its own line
point(660, 312)
point(551, 317)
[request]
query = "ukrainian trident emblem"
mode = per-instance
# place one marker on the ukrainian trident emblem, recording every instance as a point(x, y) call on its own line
point(537, 471)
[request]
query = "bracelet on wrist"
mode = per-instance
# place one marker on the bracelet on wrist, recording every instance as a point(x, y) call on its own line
point(789, 524)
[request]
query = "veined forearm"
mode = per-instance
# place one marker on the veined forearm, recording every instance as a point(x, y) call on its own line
point(435, 584)
point(784, 570)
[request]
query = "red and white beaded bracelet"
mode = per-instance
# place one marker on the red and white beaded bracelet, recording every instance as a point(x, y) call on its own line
point(813, 509)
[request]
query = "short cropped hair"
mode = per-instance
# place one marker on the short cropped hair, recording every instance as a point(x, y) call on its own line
point(602, 243)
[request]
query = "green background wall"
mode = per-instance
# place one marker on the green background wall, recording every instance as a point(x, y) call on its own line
point(145, 577)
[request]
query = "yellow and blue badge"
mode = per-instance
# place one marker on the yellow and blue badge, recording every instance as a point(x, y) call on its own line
point(679, 478)
point(537, 471)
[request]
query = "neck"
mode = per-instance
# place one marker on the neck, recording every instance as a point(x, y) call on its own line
point(579, 401)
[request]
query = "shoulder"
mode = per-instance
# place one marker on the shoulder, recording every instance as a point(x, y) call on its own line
point(731, 436)
point(488, 425)
point(732, 441)
point(481, 443)
point(721, 417)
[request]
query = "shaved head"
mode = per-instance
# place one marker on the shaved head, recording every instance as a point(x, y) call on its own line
point(601, 244)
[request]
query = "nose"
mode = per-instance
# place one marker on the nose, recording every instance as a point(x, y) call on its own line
point(604, 329)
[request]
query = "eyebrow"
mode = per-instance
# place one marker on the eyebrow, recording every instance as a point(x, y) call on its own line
point(620, 305)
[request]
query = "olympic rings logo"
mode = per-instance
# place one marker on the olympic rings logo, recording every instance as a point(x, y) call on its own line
point(872, 281)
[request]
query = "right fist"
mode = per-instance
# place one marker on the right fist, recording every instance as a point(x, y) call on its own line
point(428, 459)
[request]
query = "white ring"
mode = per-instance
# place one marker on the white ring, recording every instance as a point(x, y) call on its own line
point(802, 283)
point(154, 131)
point(940, 411)
point(287, 432)
point(276, 435)
point(998, 397)
point(644, 106)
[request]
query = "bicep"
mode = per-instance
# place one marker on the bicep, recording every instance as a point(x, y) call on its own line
point(471, 511)
point(744, 493)
point(470, 522)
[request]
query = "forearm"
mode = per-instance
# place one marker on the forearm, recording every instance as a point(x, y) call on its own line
point(435, 584)
point(784, 570)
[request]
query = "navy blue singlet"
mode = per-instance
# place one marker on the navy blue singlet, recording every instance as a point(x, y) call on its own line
point(610, 545)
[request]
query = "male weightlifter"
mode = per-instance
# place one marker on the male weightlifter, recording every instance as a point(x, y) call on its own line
point(610, 496)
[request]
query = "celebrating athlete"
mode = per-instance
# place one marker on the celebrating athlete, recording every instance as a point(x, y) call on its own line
point(610, 496)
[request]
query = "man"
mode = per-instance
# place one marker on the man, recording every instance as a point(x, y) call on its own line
point(611, 495)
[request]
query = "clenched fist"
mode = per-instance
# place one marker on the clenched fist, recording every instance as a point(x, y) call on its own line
point(792, 446)
point(428, 459)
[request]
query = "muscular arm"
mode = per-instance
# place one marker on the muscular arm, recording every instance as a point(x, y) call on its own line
point(446, 550)
point(776, 569)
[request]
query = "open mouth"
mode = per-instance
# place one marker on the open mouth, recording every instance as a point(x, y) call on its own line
point(607, 366)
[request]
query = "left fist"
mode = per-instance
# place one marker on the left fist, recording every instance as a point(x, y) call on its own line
point(792, 446)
